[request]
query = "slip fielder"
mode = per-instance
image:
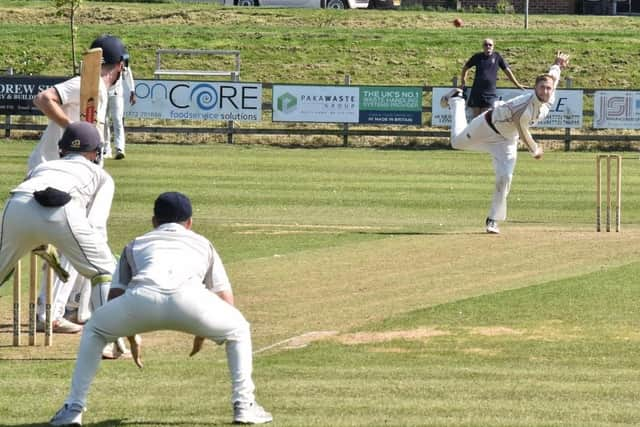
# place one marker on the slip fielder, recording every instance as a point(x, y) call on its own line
point(168, 279)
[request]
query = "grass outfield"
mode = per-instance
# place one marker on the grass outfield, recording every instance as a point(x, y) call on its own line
point(374, 295)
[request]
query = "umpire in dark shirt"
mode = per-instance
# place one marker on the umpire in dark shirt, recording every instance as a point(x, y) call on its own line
point(483, 92)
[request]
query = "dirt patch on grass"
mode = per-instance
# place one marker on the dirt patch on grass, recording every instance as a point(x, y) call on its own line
point(305, 339)
point(379, 337)
point(356, 338)
point(493, 331)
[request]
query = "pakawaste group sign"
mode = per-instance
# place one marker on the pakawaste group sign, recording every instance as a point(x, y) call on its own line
point(397, 105)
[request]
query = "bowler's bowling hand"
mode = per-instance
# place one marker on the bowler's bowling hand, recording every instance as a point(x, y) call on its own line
point(562, 59)
point(538, 153)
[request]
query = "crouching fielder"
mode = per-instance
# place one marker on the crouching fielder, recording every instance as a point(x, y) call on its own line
point(50, 206)
point(168, 279)
point(497, 131)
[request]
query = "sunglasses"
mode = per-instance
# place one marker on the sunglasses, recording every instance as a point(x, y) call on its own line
point(488, 44)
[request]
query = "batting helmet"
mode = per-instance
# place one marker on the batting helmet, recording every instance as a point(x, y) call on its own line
point(113, 50)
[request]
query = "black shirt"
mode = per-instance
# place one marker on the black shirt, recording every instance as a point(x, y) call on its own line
point(486, 71)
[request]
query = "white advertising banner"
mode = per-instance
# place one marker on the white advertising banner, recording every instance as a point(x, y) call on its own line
point(566, 112)
point(319, 104)
point(196, 100)
point(616, 110)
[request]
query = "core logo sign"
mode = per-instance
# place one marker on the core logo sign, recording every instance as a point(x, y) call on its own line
point(189, 100)
point(205, 96)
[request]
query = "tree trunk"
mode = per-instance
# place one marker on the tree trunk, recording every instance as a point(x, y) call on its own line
point(73, 42)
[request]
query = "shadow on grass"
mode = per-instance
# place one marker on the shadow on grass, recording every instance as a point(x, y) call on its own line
point(125, 422)
point(418, 233)
point(108, 423)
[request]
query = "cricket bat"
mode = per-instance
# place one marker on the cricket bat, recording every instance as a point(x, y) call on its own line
point(90, 85)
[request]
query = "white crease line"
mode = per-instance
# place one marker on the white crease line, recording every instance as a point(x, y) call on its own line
point(285, 341)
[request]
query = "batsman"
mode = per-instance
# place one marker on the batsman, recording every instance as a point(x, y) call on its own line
point(62, 103)
point(81, 98)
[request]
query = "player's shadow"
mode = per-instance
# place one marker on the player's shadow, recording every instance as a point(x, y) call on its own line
point(108, 423)
point(126, 422)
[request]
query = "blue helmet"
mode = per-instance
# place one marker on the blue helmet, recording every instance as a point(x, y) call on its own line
point(113, 50)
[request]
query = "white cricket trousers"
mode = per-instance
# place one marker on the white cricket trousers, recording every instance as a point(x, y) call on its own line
point(194, 310)
point(478, 136)
point(26, 225)
point(115, 115)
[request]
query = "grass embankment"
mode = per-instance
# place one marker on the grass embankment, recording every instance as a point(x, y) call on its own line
point(402, 47)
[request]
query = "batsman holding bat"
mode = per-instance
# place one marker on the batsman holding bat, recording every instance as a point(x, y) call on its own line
point(169, 279)
point(63, 104)
point(497, 131)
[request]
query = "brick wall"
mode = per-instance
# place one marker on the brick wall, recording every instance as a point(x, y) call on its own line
point(535, 7)
point(546, 6)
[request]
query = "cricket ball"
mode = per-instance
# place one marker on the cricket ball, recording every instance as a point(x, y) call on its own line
point(458, 23)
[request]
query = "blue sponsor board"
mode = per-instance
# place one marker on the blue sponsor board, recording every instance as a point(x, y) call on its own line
point(17, 93)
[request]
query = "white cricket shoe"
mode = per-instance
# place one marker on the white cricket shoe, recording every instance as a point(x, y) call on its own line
point(68, 415)
point(106, 151)
point(444, 101)
point(116, 350)
point(250, 413)
point(60, 326)
point(492, 226)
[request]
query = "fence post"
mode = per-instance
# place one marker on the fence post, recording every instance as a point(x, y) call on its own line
point(345, 126)
point(567, 131)
point(234, 78)
point(7, 118)
point(454, 82)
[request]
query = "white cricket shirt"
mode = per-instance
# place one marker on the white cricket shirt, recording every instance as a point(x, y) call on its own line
point(169, 259)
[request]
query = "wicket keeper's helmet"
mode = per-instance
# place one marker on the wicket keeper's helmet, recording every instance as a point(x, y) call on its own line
point(113, 50)
point(80, 137)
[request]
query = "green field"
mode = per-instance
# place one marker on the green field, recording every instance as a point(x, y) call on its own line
point(374, 295)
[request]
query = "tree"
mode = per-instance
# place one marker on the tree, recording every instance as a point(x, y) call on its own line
point(69, 8)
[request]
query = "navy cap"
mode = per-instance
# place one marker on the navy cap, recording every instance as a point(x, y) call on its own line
point(172, 207)
point(113, 50)
point(81, 137)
